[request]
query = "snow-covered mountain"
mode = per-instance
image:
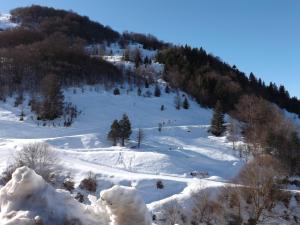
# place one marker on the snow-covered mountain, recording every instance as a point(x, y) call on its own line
point(178, 157)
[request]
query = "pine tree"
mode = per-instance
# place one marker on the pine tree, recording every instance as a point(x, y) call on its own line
point(125, 128)
point(146, 60)
point(185, 103)
point(157, 92)
point(217, 122)
point(167, 89)
point(139, 92)
point(116, 91)
point(114, 133)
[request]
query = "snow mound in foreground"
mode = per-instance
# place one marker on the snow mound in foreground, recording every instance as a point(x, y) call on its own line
point(28, 200)
point(132, 211)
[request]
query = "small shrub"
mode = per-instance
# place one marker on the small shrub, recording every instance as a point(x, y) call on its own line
point(284, 197)
point(157, 92)
point(167, 89)
point(7, 174)
point(159, 184)
point(160, 127)
point(19, 100)
point(147, 94)
point(38, 221)
point(116, 91)
point(185, 104)
point(297, 197)
point(79, 197)
point(139, 92)
point(89, 183)
point(68, 184)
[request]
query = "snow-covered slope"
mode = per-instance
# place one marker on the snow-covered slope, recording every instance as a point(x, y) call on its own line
point(183, 145)
point(5, 22)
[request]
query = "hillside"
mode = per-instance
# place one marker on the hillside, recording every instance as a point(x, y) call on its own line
point(67, 83)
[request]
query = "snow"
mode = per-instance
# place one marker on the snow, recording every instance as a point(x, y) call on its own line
point(113, 53)
point(131, 210)
point(170, 156)
point(5, 22)
point(27, 199)
point(183, 145)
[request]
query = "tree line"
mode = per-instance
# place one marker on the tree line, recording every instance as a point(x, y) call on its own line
point(48, 20)
point(265, 129)
point(209, 79)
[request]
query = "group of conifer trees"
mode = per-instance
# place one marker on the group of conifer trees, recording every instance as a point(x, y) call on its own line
point(120, 131)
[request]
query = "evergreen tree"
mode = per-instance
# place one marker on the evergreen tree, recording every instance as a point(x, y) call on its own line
point(116, 91)
point(125, 129)
point(185, 103)
point(146, 60)
point(157, 92)
point(217, 122)
point(167, 89)
point(114, 133)
point(139, 92)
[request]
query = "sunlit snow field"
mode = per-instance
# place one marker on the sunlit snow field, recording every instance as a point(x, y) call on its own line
point(183, 145)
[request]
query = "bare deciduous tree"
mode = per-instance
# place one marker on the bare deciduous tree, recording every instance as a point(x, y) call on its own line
point(206, 210)
point(39, 157)
point(173, 214)
point(140, 137)
point(177, 101)
point(259, 182)
point(233, 132)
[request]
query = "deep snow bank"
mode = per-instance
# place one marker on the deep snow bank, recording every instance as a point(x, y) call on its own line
point(27, 200)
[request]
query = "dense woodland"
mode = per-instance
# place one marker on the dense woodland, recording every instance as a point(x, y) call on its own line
point(46, 34)
point(209, 79)
point(50, 20)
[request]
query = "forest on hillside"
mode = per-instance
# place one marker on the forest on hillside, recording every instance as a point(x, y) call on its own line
point(46, 33)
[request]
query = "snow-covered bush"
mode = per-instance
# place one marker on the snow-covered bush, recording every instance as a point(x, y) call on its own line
point(89, 183)
point(68, 184)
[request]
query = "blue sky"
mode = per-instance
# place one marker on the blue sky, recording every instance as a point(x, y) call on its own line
point(259, 36)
